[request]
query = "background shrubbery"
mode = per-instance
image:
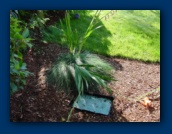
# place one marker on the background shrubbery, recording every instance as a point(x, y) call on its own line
point(23, 26)
point(19, 42)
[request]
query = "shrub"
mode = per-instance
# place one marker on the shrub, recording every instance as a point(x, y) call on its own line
point(19, 41)
point(37, 19)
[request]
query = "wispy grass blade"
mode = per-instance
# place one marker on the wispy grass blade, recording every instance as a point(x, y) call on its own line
point(89, 30)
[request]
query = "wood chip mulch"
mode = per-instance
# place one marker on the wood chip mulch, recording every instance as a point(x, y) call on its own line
point(40, 102)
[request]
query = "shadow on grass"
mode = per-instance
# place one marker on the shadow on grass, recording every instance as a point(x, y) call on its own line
point(97, 43)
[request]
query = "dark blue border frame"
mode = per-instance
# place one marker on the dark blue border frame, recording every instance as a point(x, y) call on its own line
point(166, 66)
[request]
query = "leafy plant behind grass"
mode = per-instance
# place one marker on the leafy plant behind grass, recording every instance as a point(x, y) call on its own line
point(19, 41)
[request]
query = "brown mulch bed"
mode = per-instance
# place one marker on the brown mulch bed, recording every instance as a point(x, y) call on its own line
point(40, 102)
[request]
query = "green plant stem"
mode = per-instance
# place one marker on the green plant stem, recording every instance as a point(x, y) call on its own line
point(70, 113)
point(89, 30)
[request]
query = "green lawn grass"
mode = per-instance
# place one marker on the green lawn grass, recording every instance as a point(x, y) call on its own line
point(132, 34)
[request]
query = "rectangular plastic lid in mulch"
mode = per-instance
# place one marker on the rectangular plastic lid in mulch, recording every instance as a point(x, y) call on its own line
point(93, 104)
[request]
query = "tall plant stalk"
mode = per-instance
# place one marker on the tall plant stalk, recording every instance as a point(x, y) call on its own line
point(72, 38)
point(70, 112)
point(89, 30)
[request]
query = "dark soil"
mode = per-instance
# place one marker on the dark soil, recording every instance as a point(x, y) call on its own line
point(40, 102)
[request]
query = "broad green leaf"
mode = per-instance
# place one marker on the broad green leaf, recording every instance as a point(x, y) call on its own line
point(15, 55)
point(29, 45)
point(20, 56)
point(13, 71)
point(20, 63)
point(24, 82)
point(23, 67)
point(25, 33)
point(17, 36)
point(17, 66)
point(13, 87)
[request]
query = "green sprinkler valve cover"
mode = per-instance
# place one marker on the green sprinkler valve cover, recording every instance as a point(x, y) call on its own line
point(93, 104)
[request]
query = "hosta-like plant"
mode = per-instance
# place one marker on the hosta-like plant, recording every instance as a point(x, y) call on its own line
point(79, 71)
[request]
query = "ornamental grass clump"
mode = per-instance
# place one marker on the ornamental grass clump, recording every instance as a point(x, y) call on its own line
point(79, 71)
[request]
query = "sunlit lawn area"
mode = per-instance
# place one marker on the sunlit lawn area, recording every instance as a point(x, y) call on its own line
point(133, 34)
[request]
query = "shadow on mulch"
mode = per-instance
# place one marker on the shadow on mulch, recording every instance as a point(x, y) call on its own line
point(51, 106)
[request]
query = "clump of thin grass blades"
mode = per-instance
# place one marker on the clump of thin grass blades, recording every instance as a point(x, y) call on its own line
point(80, 72)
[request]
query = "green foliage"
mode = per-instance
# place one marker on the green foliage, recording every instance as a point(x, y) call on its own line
point(38, 20)
point(18, 73)
point(71, 36)
point(80, 72)
point(19, 41)
point(33, 18)
point(73, 39)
